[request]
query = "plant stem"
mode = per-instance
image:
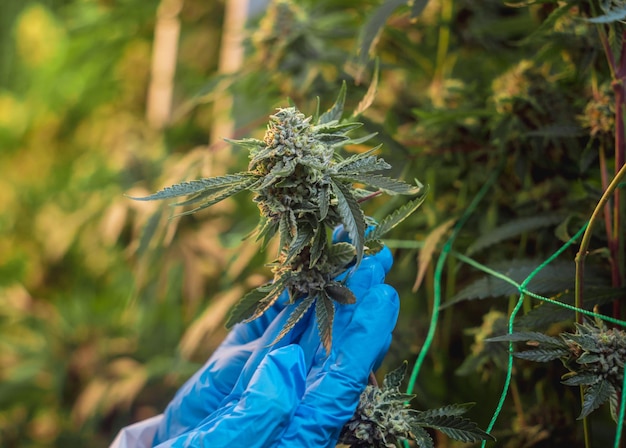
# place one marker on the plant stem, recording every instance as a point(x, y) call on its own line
point(584, 245)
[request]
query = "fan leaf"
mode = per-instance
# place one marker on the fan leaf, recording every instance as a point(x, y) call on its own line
point(386, 184)
point(296, 315)
point(325, 314)
point(249, 303)
point(197, 186)
point(351, 216)
point(595, 396)
point(335, 112)
point(395, 218)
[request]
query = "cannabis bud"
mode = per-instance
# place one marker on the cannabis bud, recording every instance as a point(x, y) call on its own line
point(594, 356)
point(303, 189)
point(383, 419)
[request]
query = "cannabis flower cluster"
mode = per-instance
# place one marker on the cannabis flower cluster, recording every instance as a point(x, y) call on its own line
point(303, 189)
point(383, 419)
point(594, 356)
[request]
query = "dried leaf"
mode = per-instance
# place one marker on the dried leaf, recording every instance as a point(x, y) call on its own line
point(428, 249)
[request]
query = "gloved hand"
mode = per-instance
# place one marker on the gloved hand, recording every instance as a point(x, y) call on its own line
point(254, 394)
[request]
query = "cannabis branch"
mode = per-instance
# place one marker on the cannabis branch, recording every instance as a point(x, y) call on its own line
point(304, 189)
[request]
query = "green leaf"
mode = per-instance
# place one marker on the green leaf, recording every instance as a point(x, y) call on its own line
point(323, 201)
point(251, 144)
point(361, 165)
point(318, 246)
point(532, 336)
point(278, 172)
point(334, 128)
point(351, 216)
point(556, 277)
point(387, 184)
point(213, 196)
point(197, 186)
point(247, 306)
point(421, 437)
point(511, 229)
point(542, 354)
point(221, 195)
point(303, 238)
point(325, 314)
point(393, 380)
point(340, 254)
point(395, 218)
point(340, 293)
point(582, 379)
point(451, 409)
point(457, 428)
point(335, 112)
point(344, 165)
point(595, 396)
point(295, 316)
point(286, 229)
point(267, 229)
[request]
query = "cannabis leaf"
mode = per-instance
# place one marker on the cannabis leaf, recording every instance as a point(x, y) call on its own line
point(303, 188)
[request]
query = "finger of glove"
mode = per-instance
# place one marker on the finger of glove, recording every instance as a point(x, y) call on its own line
point(333, 393)
point(202, 394)
point(265, 408)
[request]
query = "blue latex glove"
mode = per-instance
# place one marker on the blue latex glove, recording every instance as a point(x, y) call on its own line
point(254, 394)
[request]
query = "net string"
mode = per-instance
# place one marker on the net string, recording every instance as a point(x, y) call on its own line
point(523, 291)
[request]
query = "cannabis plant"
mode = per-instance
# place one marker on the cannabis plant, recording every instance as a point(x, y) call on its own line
point(383, 419)
point(303, 189)
point(594, 356)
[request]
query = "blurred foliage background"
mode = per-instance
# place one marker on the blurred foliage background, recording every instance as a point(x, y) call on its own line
point(108, 305)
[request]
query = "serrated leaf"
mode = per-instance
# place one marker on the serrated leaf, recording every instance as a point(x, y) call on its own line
point(340, 293)
point(614, 399)
point(335, 128)
point(387, 184)
point(595, 396)
point(323, 201)
point(451, 409)
point(221, 195)
point(252, 144)
point(586, 341)
point(526, 336)
point(588, 358)
point(542, 354)
point(340, 254)
point(342, 164)
point(325, 314)
point(556, 277)
point(395, 218)
point(296, 315)
point(393, 380)
point(351, 216)
point(196, 186)
point(421, 437)
point(249, 303)
point(458, 428)
point(285, 229)
point(512, 228)
point(335, 112)
point(582, 379)
point(332, 139)
point(361, 165)
point(303, 237)
point(267, 229)
point(318, 246)
point(428, 249)
point(213, 196)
